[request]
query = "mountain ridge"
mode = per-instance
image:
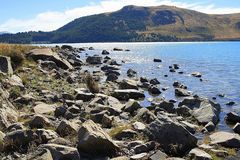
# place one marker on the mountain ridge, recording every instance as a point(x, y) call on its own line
point(139, 24)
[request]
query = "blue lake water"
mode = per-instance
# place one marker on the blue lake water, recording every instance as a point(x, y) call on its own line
point(219, 62)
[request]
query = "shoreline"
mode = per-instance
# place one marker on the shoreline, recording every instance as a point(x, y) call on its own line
point(87, 102)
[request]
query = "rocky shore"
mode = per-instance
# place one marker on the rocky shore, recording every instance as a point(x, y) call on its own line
point(63, 104)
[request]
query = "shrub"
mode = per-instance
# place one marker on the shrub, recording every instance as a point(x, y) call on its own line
point(92, 84)
point(15, 52)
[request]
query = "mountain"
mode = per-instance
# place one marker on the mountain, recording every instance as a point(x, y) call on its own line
point(135, 24)
point(1, 33)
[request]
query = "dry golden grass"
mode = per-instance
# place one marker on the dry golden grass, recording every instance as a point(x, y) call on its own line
point(16, 52)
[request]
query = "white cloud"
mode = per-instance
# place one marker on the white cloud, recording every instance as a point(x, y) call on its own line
point(49, 21)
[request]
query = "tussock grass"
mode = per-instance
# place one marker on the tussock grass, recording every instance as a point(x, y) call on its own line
point(16, 52)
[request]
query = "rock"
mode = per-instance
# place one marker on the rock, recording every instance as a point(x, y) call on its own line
point(68, 47)
point(181, 92)
point(107, 121)
point(44, 135)
point(128, 84)
point(232, 117)
point(176, 66)
point(202, 109)
point(131, 106)
point(139, 156)
point(120, 158)
point(179, 85)
point(210, 127)
point(230, 140)
point(112, 77)
point(230, 103)
point(25, 99)
point(14, 127)
point(169, 134)
point(15, 81)
point(190, 127)
point(167, 106)
point(154, 81)
point(117, 49)
point(91, 48)
point(60, 111)
point(81, 95)
point(8, 113)
point(43, 108)
point(60, 152)
point(199, 154)
point(93, 140)
point(40, 154)
point(109, 68)
point(196, 74)
point(39, 121)
point(236, 128)
point(144, 115)
point(66, 128)
point(139, 126)
point(6, 66)
point(154, 90)
point(157, 60)
point(131, 73)
point(48, 65)
point(18, 139)
point(147, 147)
point(94, 59)
point(48, 54)
point(127, 94)
point(105, 52)
point(143, 79)
point(159, 155)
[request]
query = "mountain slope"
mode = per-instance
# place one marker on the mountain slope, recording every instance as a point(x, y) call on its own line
point(132, 23)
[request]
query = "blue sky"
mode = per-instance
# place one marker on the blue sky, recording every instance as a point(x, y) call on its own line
point(47, 15)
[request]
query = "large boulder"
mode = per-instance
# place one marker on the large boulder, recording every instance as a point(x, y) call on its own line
point(202, 109)
point(173, 138)
point(67, 128)
point(49, 55)
point(226, 139)
point(232, 117)
point(127, 94)
point(60, 152)
point(6, 66)
point(93, 140)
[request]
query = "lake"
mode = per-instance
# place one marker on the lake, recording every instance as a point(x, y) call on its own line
point(219, 63)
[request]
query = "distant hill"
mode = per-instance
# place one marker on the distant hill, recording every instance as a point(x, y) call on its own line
point(1, 33)
point(139, 24)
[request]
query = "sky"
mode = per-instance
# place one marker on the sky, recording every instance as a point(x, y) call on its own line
point(47, 15)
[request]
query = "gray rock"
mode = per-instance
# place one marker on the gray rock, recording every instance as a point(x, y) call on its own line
point(154, 81)
point(139, 156)
point(131, 73)
point(112, 77)
point(144, 115)
point(127, 94)
point(49, 55)
point(158, 155)
point(147, 147)
point(6, 66)
point(60, 152)
point(39, 121)
point(226, 139)
point(93, 140)
point(236, 128)
point(167, 106)
point(154, 90)
point(182, 92)
point(210, 127)
point(84, 96)
point(105, 52)
point(171, 133)
point(94, 60)
point(233, 117)
point(43, 108)
point(66, 128)
point(128, 84)
point(204, 110)
point(196, 74)
point(139, 126)
point(199, 154)
point(132, 106)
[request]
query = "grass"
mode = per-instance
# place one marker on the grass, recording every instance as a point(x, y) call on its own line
point(15, 52)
